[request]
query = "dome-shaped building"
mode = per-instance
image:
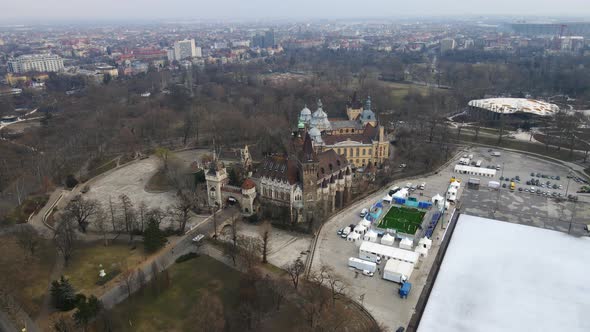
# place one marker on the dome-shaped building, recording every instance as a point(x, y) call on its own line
point(316, 136)
point(305, 115)
point(319, 119)
point(367, 115)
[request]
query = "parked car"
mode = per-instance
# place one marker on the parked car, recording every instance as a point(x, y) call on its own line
point(198, 238)
point(365, 211)
point(339, 232)
point(368, 273)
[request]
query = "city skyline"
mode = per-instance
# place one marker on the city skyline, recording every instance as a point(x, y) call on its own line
point(267, 9)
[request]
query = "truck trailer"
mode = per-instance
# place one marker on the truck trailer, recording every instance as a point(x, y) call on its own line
point(397, 271)
point(362, 265)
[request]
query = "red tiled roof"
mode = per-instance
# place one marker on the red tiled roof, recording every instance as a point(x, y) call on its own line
point(248, 184)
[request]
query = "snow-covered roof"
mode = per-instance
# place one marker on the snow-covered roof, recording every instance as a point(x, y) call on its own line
point(501, 276)
point(515, 105)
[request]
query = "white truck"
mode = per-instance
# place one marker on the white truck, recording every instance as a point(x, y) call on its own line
point(362, 265)
point(496, 154)
point(370, 257)
point(397, 271)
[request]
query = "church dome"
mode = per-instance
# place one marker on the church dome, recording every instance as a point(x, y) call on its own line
point(316, 135)
point(305, 115)
point(319, 118)
point(368, 115)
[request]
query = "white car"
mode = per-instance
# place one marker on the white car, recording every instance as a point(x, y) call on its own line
point(198, 238)
point(364, 212)
point(422, 186)
point(368, 273)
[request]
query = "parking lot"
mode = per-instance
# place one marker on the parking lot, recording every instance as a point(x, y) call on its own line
point(380, 296)
point(538, 208)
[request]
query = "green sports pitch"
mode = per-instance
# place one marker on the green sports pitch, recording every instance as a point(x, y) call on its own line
point(403, 220)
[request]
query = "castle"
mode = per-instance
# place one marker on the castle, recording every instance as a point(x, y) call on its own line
point(316, 176)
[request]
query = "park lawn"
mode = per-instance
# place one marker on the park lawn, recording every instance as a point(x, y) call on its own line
point(169, 310)
point(402, 219)
point(27, 276)
point(84, 266)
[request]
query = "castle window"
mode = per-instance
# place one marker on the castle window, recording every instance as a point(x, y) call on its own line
point(322, 170)
point(341, 131)
point(330, 167)
point(338, 162)
point(358, 152)
point(352, 130)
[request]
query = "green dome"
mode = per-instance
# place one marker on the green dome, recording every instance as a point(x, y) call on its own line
point(301, 125)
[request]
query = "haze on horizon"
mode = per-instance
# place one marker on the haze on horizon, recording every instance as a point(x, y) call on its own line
point(52, 10)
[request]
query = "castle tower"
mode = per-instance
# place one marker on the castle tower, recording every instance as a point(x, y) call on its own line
point(216, 178)
point(308, 165)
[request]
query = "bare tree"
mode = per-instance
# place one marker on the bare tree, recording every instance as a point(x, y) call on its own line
point(27, 238)
point(100, 223)
point(295, 270)
point(82, 210)
point(142, 211)
point(65, 237)
point(181, 211)
point(128, 215)
point(265, 236)
point(113, 214)
point(280, 288)
point(250, 250)
point(207, 314)
point(333, 282)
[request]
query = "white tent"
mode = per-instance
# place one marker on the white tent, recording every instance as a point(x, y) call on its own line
point(436, 199)
point(402, 193)
point(370, 236)
point(406, 244)
point(452, 194)
point(422, 251)
point(388, 239)
point(360, 229)
point(455, 185)
point(365, 222)
point(387, 199)
point(425, 243)
point(353, 237)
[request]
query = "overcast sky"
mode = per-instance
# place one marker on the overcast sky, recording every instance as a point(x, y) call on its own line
point(264, 9)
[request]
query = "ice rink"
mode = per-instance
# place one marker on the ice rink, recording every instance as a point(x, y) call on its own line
point(500, 276)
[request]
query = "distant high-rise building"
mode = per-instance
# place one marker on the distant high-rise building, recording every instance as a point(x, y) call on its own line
point(269, 38)
point(469, 44)
point(447, 44)
point(186, 49)
point(264, 41)
point(36, 62)
point(258, 40)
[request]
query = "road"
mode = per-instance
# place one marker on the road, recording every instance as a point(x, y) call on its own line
point(177, 247)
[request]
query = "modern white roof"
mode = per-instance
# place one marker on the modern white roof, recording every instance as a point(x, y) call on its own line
point(387, 251)
point(500, 276)
point(475, 170)
point(515, 105)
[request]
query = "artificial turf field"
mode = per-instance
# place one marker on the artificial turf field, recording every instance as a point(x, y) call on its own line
point(403, 220)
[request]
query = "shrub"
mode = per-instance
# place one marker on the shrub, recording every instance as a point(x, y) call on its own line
point(71, 181)
point(187, 257)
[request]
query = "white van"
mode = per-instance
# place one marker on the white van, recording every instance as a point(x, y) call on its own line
point(345, 232)
point(478, 164)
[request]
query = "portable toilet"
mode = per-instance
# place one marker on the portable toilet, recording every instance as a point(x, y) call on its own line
point(422, 251)
point(405, 289)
